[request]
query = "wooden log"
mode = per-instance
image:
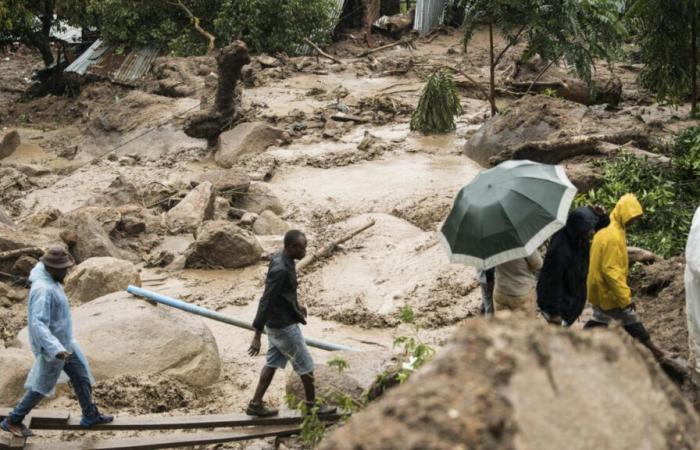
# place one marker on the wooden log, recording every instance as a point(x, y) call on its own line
point(38, 251)
point(408, 42)
point(171, 440)
point(640, 255)
point(328, 249)
point(322, 53)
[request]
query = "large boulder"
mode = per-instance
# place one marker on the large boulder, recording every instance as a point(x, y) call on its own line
point(258, 199)
point(518, 384)
point(87, 232)
point(9, 144)
point(100, 276)
point(528, 119)
point(226, 181)
point(222, 244)
point(245, 139)
point(195, 208)
point(15, 364)
point(269, 223)
point(123, 335)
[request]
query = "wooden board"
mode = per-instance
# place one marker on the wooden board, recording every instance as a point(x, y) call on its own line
point(170, 441)
point(42, 415)
point(39, 422)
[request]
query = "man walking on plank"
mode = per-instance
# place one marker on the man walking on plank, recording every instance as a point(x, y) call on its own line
point(51, 338)
point(279, 314)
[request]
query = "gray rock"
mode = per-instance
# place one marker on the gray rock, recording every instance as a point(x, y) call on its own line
point(16, 364)
point(269, 223)
point(228, 181)
point(248, 138)
point(195, 208)
point(96, 277)
point(9, 144)
point(259, 198)
point(222, 244)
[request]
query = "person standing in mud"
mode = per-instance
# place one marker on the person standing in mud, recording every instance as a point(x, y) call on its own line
point(561, 287)
point(607, 288)
point(52, 342)
point(279, 314)
point(515, 282)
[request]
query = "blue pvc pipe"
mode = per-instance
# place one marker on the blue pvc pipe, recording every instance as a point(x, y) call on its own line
point(204, 312)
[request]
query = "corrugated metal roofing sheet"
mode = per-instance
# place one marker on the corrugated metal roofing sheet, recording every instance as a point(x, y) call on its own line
point(101, 60)
point(429, 14)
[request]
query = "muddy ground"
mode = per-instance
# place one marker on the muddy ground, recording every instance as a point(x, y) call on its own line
point(113, 144)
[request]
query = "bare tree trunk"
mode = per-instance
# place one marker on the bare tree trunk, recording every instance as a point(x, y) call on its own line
point(209, 124)
point(492, 74)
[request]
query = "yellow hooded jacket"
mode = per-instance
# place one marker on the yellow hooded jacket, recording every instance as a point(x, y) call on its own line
point(609, 264)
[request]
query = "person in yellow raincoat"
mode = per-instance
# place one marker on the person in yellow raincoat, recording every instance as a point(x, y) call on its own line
point(608, 291)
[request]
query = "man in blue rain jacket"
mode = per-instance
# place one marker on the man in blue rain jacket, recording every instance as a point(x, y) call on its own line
point(51, 337)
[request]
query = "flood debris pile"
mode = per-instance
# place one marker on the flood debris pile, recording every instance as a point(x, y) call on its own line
point(513, 383)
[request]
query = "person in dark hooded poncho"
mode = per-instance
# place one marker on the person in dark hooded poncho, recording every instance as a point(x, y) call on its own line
point(561, 288)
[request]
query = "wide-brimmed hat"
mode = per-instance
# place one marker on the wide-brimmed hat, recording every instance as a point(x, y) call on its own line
point(57, 257)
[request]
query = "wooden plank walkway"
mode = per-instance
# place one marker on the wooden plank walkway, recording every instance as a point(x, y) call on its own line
point(60, 420)
point(170, 440)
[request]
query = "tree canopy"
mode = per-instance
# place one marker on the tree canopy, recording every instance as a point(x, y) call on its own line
point(667, 34)
point(578, 31)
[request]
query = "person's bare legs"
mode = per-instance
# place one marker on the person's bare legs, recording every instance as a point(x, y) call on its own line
point(309, 389)
point(266, 376)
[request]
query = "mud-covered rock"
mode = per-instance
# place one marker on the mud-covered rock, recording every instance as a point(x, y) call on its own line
point(331, 385)
point(584, 176)
point(23, 265)
point(195, 208)
point(43, 217)
point(222, 244)
point(248, 138)
point(87, 232)
point(221, 208)
point(96, 277)
point(5, 218)
point(16, 364)
point(513, 383)
point(124, 335)
point(528, 119)
point(9, 144)
point(258, 199)
point(12, 238)
point(269, 223)
point(226, 182)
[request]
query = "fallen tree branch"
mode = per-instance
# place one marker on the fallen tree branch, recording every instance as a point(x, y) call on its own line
point(471, 80)
point(640, 255)
point(328, 249)
point(197, 26)
point(539, 75)
point(38, 251)
point(322, 53)
point(408, 42)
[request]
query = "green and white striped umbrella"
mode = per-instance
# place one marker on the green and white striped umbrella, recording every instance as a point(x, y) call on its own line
point(506, 212)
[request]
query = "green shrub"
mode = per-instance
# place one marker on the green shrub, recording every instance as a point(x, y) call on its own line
point(438, 105)
point(669, 195)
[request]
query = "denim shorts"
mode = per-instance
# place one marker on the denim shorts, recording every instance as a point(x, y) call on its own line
point(287, 344)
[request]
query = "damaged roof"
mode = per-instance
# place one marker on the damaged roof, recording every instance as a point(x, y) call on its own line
point(102, 60)
point(429, 15)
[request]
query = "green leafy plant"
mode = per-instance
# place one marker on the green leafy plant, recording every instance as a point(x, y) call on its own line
point(669, 195)
point(550, 92)
point(312, 429)
point(438, 105)
point(417, 352)
point(339, 363)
